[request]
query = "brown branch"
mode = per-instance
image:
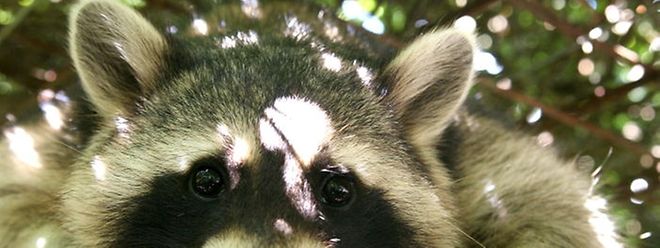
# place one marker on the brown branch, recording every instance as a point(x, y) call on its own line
point(565, 118)
point(474, 7)
point(595, 103)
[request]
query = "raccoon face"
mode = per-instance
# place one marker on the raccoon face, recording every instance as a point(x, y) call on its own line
point(260, 144)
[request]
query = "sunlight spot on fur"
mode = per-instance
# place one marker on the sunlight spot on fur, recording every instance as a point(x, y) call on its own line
point(365, 75)
point(545, 139)
point(331, 62)
point(183, 163)
point(123, 127)
point(489, 187)
point(494, 199)
point(298, 189)
point(99, 168)
point(41, 242)
point(223, 131)
point(240, 150)
point(283, 227)
point(303, 125)
point(21, 145)
point(601, 223)
point(52, 113)
point(241, 38)
point(296, 29)
point(120, 48)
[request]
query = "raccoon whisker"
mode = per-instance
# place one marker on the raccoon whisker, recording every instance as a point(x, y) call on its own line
point(467, 235)
point(595, 175)
point(458, 180)
point(65, 145)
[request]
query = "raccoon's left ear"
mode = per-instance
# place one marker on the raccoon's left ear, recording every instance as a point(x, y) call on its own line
point(117, 53)
point(428, 81)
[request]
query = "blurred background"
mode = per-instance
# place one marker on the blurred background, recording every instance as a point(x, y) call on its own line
point(580, 75)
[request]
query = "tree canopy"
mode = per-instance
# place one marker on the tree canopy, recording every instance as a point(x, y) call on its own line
point(582, 75)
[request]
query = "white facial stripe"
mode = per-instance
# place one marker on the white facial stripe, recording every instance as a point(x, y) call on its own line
point(303, 125)
point(297, 188)
point(270, 139)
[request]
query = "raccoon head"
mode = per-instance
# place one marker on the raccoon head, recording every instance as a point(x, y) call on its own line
point(276, 143)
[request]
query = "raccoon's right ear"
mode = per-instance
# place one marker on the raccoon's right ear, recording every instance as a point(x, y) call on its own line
point(117, 53)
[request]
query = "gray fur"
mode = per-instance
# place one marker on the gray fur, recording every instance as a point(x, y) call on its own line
point(165, 105)
point(117, 52)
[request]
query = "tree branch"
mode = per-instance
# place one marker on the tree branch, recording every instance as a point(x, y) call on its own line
point(565, 118)
point(474, 7)
point(595, 103)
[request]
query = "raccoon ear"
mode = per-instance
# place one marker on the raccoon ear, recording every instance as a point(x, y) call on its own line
point(428, 81)
point(117, 53)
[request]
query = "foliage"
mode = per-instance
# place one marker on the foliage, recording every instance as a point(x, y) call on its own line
point(582, 75)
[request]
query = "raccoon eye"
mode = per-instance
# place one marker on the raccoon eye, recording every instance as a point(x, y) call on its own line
point(206, 180)
point(337, 191)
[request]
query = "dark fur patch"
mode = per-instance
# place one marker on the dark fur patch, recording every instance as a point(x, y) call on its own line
point(171, 216)
point(448, 148)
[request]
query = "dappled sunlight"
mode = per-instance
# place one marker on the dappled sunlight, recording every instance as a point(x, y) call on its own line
point(331, 62)
point(240, 150)
point(99, 168)
point(283, 227)
point(123, 127)
point(41, 242)
point(22, 146)
point(241, 38)
point(494, 199)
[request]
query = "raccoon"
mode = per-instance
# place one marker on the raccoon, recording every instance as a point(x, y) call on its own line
point(288, 138)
